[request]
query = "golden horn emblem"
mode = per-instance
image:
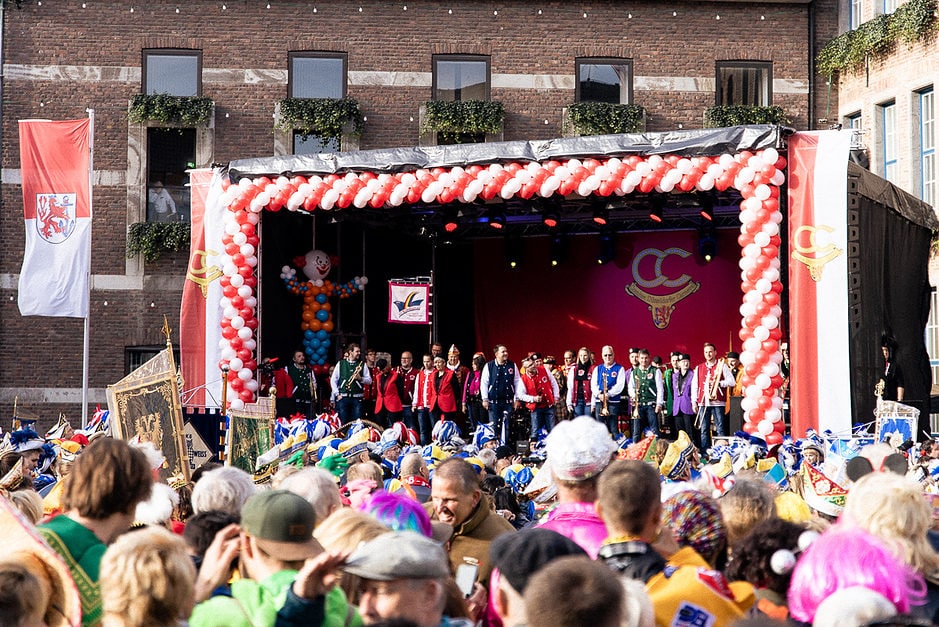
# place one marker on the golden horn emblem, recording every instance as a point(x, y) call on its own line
point(662, 306)
point(202, 275)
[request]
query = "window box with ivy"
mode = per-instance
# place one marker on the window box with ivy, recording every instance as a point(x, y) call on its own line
point(152, 239)
point(913, 21)
point(736, 115)
point(327, 119)
point(461, 121)
point(166, 110)
point(602, 118)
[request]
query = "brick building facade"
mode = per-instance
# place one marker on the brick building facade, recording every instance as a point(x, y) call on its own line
point(61, 57)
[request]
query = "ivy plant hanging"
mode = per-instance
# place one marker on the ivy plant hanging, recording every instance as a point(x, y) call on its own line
point(736, 115)
point(604, 118)
point(913, 21)
point(182, 110)
point(152, 239)
point(457, 118)
point(320, 117)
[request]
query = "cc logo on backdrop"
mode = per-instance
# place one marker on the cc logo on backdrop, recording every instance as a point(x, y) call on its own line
point(661, 305)
point(822, 252)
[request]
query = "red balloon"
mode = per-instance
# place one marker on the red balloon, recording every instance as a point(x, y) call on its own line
point(779, 426)
point(251, 281)
point(753, 369)
point(776, 241)
point(749, 426)
point(751, 321)
point(764, 403)
point(776, 333)
point(761, 309)
point(225, 281)
point(251, 364)
point(755, 416)
point(234, 380)
point(746, 190)
point(776, 381)
point(774, 438)
point(254, 240)
point(235, 342)
point(238, 259)
point(770, 345)
point(744, 239)
point(246, 312)
point(252, 323)
point(246, 271)
point(228, 332)
point(243, 354)
point(237, 301)
point(744, 334)
point(247, 229)
point(648, 184)
point(229, 291)
point(246, 395)
point(231, 248)
point(771, 204)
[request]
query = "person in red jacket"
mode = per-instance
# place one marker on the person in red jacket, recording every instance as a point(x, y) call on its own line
point(389, 392)
point(444, 391)
point(541, 391)
point(421, 399)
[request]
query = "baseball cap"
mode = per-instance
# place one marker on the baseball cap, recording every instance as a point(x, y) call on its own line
point(399, 555)
point(518, 556)
point(282, 524)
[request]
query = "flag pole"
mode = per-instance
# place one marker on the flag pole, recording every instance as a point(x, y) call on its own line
point(87, 331)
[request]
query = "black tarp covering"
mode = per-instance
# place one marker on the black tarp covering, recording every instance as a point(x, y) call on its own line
point(689, 143)
point(888, 288)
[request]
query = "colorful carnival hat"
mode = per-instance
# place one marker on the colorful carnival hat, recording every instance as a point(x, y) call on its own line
point(643, 450)
point(14, 478)
point(446, 433)
point(821, 493)
point(677, 458)
point(482, 436)
point(22, 545)
point(518, 477)
point(355, 443)
point(26, 440)
point(404, 434)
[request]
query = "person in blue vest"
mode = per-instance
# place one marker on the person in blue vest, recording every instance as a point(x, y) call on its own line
point(348, 381)
point(497, 387)
point(607, 382)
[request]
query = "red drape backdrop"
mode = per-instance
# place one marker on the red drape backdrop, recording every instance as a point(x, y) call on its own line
point(537, 307)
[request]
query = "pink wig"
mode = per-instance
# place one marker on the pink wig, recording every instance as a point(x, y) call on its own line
point(844, 557)
point(398, 512)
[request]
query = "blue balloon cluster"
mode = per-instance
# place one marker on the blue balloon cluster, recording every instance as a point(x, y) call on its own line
point(316, 343)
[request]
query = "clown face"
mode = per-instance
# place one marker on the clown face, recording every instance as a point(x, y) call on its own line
point(317, 265)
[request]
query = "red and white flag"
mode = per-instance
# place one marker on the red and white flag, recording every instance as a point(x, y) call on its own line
point(818, 281)
point(55, 159)
point(200, 313)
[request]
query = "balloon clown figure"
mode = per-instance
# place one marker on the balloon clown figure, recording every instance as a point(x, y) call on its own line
point(317, 312)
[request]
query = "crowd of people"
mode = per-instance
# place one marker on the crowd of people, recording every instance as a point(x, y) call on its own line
point(572, 523)
point(643, 395)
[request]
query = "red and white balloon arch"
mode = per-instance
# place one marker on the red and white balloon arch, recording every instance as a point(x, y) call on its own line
point(757, 175)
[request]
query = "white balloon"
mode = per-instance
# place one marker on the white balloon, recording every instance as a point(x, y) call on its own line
point(252, 385)
point(236, 364)
point(237, 321)
point(227, 352)
point(771, 369)
point(778, 178)
point(245, 333)
point(245, 374)
point(705, 183)
point(762, 381)
point(762, 192)
point(747, 357)
point(771, 274)
point(239, 238)
point(776, 358)
point(773, 415)
point(778, 402)
point(761, 239)
point(763, 286)
point(770, 322)
point(250, 301)
point(748, 404)
point(684, 166)
point(745, 175)
point(253, 218)
point(237, 280)
point(765, 427)
point(229, 312)
point(753, 204)
point(747, 309)
point(770, 156)
point(761, 333)
point(753, 392)
point(236, 403)
point(752, 344)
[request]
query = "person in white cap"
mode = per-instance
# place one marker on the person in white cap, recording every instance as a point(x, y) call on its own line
point(578, 451)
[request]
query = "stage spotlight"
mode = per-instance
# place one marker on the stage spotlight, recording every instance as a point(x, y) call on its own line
point(550, 218)
point(607, 249)
point(557, 249)
point(657, 209)
point(706, 201)
point(497, 220)
point(451, 222)
point(601, 216)
point(513, 251)
point(707, 246)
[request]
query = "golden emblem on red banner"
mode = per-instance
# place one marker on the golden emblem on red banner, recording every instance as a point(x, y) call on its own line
point(822, 254)
point(661, 305)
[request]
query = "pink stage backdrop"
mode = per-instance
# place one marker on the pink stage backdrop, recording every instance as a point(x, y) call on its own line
point(657, 293)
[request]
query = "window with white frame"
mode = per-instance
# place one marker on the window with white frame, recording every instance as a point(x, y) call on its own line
point(889, 6)
point(932, 335)
point(171, 71)
point(460, 77)
point(316, 75)
point(604, 80)
point(855, 7)
point(927, 142)
point(890, 140)
point(744, 83)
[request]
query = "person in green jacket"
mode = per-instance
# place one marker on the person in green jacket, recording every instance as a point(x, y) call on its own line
point(286, 576)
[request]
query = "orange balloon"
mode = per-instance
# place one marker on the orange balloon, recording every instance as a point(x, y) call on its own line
point(315, 325)
point(308, 315)
point(314, 306)
point(326, 307)
point(328, 326)
point(304, 325)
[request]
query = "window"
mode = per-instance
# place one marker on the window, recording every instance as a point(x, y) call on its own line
point(853, 121)
point(927, 143)
point(854, 9)
point(314, 145)
point(889, 6)
point(460, 77)
point(890, 140)
point(932, 335)
point(136, 356)
point(604, 80)
point(317, 75)
point(744, 83)
point(173, 72)
point(170, 152)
